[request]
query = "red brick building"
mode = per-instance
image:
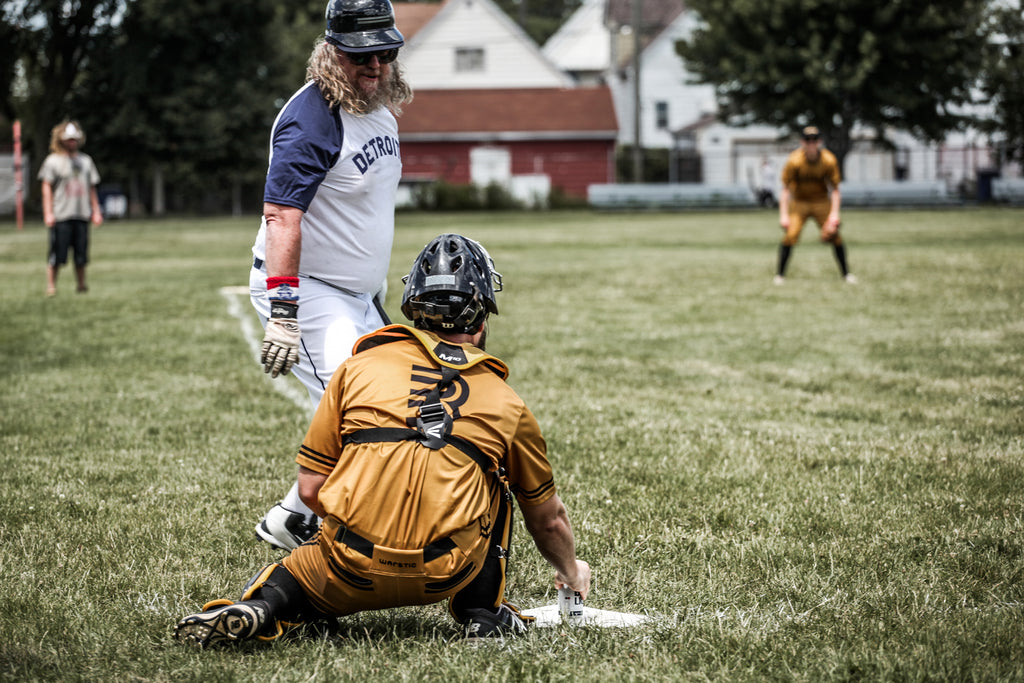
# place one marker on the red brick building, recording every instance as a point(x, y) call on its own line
point(567, 134)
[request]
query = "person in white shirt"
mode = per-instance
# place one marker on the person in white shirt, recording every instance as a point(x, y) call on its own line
point(320, 259)
point(70, 202)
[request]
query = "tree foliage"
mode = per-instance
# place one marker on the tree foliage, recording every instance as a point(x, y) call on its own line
point(54, 42)
point(185, 92)
point(901, 64)
point(193, 88)
point(539, 18)
point(1002, 83)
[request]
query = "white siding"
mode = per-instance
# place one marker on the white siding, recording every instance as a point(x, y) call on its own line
point(662, 78)
point(582, 45)
point(510, 58)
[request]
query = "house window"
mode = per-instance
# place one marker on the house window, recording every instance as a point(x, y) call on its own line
point(469, 59)
point(661, 114)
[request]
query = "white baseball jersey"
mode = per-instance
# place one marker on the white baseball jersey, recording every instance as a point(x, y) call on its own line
point(342, 170)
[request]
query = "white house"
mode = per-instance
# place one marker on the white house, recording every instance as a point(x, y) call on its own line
point(581, 47)
point(490, 107)
point(471, 44)
point(668, 100)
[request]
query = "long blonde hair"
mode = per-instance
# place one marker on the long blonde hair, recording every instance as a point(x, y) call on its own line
point(58, 131)
point(324, 69)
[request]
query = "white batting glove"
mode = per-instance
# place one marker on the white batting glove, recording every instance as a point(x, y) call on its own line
point(280, 346)
point(281, 339)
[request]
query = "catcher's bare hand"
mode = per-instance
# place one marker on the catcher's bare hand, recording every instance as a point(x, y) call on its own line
point(580, 583)
point(280, 346)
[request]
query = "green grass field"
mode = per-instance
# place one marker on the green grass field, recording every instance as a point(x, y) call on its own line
point(814, 482)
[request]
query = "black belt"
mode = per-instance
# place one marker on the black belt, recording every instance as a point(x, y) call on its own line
point(258, 263)
point(364, 546)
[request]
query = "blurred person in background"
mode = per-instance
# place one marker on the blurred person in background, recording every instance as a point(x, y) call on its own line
point(767, 183)
point(70, 202)
point(810, 189)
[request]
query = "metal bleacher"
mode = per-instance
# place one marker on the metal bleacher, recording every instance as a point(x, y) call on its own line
point(654, 196)
point(1009, 190)
point(897, 193)
point(669, 196)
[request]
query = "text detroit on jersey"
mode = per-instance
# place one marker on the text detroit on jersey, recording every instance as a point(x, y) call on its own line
point(375, 148)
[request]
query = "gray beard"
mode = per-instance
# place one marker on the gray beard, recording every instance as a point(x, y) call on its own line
point(379, 97)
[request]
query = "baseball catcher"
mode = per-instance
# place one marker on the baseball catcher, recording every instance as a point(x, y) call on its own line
point(412, 460)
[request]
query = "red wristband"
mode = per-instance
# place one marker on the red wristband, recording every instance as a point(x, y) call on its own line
point(275, 281)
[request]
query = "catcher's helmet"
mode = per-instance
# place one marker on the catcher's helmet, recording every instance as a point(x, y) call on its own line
point(451, 286)
point(362, 25)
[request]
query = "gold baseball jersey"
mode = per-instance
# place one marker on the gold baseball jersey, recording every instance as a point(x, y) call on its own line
point(401, 494)
point(810, 181)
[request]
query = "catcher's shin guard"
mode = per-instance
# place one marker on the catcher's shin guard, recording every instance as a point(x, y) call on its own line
point(288, 604)
point(487, 589)
point(258, 580)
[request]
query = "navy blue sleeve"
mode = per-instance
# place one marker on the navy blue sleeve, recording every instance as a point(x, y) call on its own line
point(306, 142)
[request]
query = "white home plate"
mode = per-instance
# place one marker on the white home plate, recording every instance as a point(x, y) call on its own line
point(549, 615)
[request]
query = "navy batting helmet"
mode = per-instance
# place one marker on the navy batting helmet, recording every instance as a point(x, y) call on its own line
point(362, 25)
point(451, 286)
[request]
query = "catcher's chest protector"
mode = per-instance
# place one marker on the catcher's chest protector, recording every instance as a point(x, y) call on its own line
point(473, 496)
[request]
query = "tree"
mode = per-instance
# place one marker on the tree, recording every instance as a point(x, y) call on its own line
point(184, 92)
point(10, 34)
point(902, 64)
point(187, 95)
point(1001, 82)
point(52, 42)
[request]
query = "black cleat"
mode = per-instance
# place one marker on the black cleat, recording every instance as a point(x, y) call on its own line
point(483, 623)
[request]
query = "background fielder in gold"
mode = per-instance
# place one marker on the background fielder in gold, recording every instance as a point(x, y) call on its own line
point(810, 189)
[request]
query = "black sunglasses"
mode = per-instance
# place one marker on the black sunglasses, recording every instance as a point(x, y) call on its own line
point(812, 138)
point(363, 58)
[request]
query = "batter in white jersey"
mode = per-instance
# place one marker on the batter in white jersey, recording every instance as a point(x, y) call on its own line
point(320, 259)
point(347, 225)
point(342, 172)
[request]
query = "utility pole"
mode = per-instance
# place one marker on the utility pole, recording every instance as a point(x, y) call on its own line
point(19, 195)
point(638, 151)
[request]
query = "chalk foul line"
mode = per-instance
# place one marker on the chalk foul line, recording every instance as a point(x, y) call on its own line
point(253, 335)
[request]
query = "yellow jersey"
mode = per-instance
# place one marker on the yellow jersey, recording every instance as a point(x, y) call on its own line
point(810, 181)
point(401, 494)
